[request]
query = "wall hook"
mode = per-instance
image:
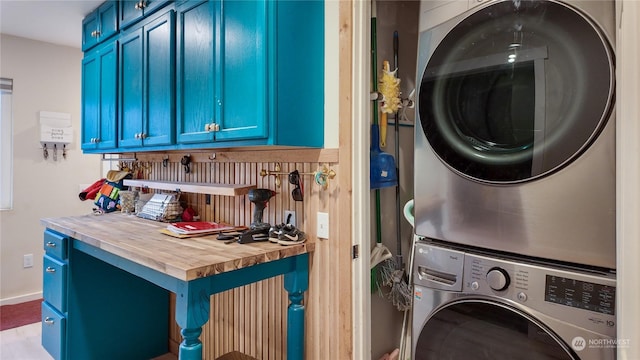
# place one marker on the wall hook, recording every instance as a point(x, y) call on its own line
point(212, 156)
point(185, 161)
point(165, 161)
point(275, 173)
point(320, 177)
point(45, 152)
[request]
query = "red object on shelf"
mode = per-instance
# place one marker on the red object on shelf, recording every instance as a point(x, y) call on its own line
point(197, 227)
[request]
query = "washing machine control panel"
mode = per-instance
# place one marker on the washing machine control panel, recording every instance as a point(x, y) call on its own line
point(571, 295)
point(577, 296)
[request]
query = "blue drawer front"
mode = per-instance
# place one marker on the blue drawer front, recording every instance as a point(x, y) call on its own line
point(56, 244)
point(53, 331)
point(54, 279)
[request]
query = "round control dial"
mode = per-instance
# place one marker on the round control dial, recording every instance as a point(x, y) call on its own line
point(498, 279)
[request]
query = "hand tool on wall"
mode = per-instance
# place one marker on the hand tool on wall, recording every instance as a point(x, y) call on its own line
point(390, 90)
point(382, 167)
point(382, 171)
point(400, 293)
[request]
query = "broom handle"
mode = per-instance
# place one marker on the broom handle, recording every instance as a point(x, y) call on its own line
point(397, 148)
point(374, 77)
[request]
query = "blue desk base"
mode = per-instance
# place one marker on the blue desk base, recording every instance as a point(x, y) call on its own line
point(192, 297)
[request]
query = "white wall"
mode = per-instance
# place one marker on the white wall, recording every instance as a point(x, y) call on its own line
point(45, 77)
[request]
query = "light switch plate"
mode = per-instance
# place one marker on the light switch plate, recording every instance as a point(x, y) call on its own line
point(323, 225)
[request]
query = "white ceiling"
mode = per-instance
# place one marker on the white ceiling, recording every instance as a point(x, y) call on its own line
point(53, 21)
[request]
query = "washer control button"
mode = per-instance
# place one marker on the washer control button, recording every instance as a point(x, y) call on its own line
point(522, 296)
point(498, 279)
point(475, 285)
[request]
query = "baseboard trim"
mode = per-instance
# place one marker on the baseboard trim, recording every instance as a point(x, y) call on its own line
point(20, 299)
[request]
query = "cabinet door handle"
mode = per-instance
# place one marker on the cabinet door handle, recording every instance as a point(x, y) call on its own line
point(50, 244)
point(50, 269)
point(143, 136)
point(216, 127)
point(137, 136)
point(49, 320)
point(97, 33)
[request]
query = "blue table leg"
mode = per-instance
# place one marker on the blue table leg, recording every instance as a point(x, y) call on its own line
point(296, 283)
point(192, 312)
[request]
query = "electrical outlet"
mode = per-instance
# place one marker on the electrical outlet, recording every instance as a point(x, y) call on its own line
point(27, 260)
point(323, 225)
point(290, 217)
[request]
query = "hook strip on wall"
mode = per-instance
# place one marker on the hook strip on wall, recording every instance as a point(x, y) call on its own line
point(320, 176)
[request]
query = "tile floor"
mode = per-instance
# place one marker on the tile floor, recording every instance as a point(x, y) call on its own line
point(23, 343)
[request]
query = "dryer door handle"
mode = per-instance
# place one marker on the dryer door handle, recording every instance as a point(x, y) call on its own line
point(426, 273)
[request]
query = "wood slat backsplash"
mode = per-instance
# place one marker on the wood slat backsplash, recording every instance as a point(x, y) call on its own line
point(252, 319)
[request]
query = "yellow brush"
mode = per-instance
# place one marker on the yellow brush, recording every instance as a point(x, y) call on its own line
point(390, 90)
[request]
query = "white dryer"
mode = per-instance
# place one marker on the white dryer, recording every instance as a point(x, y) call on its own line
point(472, 306)
point(515, 130)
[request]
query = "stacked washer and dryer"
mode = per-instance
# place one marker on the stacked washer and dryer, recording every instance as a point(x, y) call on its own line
point(514, 193)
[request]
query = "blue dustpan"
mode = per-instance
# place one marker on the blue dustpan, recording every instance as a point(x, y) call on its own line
point(383, 167)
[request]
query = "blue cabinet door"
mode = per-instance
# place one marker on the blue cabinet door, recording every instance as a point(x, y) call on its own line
point(107, 19)
point(159, 77)
point(197, 71)
point(130, 11)
point(90, 101)
point(147, 84)
point(100, 24)
point(131, 82)
point(99, 94)
point(108, 57)
point(54, 326)
point(244, 70)
point(89, 31)
point(134, 10)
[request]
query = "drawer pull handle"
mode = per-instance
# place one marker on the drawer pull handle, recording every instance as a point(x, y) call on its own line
point(50, 269)
point(51, 244)
point(49, 321)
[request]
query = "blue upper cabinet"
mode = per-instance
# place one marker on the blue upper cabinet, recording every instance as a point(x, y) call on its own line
point(298, 63)
point(134, 10)
point(147, 84)
point(261, 74)
point(244, 64)
point(205, 74)
point(197, 70)
point(100, 24)
point(99, 97)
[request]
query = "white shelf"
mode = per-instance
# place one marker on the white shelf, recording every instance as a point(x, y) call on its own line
point(198, 188)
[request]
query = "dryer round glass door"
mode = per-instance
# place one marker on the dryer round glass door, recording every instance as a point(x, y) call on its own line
point(517, 90)
point(479, 330)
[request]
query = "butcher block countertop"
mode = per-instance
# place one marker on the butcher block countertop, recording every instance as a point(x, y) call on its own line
point(140, 241)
